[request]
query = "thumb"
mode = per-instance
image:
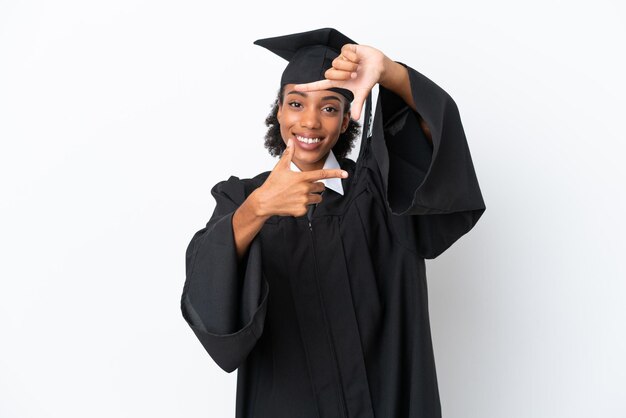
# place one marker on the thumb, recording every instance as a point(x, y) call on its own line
point(285, 158)
point(357, 106)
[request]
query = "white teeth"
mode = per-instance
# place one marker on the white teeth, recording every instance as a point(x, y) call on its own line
point(307, 140)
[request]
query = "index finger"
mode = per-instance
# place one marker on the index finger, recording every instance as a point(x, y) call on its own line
point(315, 85)
point(324, 173)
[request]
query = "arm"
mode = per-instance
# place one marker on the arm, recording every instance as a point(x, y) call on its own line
point(225, 294)
point(247, 222)
point(395, 77)
point(224, 299)
point(418, 146)
point(284, 193)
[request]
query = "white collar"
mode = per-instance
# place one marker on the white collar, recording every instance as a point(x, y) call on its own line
point(332, 183)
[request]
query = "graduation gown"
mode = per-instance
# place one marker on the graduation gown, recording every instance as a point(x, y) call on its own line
point(329, 317)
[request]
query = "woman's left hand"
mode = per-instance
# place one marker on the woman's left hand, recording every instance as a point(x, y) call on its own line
point(358, 68)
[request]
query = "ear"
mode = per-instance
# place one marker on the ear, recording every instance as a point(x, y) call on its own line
point(280, 111)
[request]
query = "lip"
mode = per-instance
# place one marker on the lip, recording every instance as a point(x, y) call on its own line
point(308, 147)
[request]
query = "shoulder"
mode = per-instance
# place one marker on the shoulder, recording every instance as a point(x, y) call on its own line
point(236, 189)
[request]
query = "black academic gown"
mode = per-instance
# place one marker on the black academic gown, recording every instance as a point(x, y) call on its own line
point(329, 318)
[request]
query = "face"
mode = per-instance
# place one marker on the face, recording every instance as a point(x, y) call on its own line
point(314, 120)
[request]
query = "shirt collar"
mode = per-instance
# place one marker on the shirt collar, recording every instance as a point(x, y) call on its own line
point(333, 183)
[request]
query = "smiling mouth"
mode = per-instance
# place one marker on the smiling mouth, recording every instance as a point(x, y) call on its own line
point(306, 140)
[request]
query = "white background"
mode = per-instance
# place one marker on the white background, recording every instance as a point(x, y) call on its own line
point(117, 118)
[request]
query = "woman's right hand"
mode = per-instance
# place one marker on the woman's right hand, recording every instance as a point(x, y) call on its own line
point(288, 193)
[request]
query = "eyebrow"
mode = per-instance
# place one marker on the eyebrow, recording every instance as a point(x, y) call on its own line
point(300, 93)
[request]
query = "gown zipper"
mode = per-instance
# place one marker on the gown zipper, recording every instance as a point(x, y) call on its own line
point(341, 397)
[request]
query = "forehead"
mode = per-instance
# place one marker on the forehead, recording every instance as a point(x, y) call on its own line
point(288, 89)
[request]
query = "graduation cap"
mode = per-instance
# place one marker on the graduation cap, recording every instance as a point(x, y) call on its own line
point(309, 54)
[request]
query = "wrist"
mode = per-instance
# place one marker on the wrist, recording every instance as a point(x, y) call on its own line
point(257, 208)
point(394, 75)
point(388, 72)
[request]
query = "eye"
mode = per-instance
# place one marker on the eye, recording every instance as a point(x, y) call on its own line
point(295, 104)
point(330, 109)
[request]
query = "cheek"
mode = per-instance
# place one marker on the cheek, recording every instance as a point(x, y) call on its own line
point(286, 120)
point(334, 125)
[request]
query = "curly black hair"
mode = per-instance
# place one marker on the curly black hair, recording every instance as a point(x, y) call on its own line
point(275, 144)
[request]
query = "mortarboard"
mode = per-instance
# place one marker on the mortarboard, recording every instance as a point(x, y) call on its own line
point(309, 54)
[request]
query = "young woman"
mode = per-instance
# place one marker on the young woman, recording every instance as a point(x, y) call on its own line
point(310, 278)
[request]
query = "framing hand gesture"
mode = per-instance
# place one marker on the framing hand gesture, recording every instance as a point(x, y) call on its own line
point(288, 193)
point(358, 68)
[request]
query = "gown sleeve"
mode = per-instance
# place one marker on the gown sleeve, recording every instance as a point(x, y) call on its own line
point(224, 300)
point(435, 183)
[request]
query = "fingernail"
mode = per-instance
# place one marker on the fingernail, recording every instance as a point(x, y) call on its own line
point(344, 173)
point(289, 142)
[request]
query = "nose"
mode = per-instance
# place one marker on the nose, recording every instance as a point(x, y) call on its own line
point(310, 118)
